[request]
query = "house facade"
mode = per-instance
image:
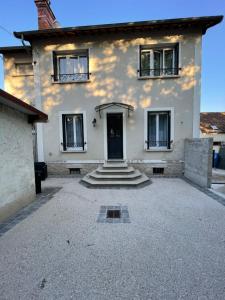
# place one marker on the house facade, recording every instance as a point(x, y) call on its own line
point(128, 91)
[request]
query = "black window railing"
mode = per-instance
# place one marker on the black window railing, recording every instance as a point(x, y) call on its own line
point(74, 145)
point(152, 143)
point(159, 72)
point(76, 77)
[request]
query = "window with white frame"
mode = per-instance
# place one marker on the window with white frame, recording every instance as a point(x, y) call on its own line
point(71, 65)
point(73, 132)
point(158, 129)
point(159, 61)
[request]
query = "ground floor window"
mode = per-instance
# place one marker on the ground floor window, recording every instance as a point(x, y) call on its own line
point(73, 132)
point(158, 129)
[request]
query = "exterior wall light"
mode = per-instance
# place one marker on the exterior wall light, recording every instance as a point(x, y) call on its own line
point(94, 122)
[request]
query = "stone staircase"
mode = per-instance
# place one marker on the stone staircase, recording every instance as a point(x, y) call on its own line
point(115, 174)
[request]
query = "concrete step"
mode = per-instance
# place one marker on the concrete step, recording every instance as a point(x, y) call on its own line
point(124, 176)
point(91, 182)
point(115, 171)
point(121, 165)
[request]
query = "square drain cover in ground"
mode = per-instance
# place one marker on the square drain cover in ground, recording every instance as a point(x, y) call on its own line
point(113, 214)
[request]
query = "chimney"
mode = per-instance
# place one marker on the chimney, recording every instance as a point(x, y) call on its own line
point(46, 17)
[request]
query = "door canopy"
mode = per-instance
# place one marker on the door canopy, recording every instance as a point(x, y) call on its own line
point(101, 107)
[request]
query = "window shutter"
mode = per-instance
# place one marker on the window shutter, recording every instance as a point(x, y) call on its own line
point(64, 132)
point(176, 62)
point(82, 129)
point(169, 125)
point(55, 72)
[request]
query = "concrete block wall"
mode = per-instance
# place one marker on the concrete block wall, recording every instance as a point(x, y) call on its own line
point(17, 184)
point(198, 161)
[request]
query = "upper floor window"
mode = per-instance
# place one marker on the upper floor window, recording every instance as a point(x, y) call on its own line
point(159, 61)
point(24, 68)
point(71, 66)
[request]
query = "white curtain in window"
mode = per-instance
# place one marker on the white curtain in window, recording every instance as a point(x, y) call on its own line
point(79, 130)
point(145, 63)
point(62, 65)
point(158, 55)
point(69, 132)
point(163, 130)
point(168, 61)
point(152, 130)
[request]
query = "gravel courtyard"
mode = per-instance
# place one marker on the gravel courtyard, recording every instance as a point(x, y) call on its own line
point(173, 247)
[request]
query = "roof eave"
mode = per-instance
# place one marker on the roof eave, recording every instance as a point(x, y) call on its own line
point(201, 23)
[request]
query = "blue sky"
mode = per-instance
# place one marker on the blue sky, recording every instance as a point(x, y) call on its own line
point(17, 15)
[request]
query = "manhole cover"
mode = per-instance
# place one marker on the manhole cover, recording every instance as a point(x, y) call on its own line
point(113, 214)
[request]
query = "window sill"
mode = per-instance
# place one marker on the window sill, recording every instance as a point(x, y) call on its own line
point(158, 150)
point(158, 77)
point(22, 75)
point(73, 151)
point(69, 82)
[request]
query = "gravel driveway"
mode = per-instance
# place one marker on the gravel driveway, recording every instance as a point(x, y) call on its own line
point(173, 247)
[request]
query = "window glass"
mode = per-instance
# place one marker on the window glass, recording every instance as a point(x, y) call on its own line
point(71, 67)
point(168, 64)
point(163, 130)
point(145, 63)
point(158, 129)
point(157, 62)
point(79, 130)
point(152, 130)
point(69, 132)
point(73, 136)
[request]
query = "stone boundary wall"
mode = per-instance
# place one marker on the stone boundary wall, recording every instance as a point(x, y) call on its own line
point(198, 160)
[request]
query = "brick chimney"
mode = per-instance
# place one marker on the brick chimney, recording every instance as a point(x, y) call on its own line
point(46, 17)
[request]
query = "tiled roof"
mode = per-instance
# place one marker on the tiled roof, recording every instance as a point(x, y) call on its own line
point(212, 122)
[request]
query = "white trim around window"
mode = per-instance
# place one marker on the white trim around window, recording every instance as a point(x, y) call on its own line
point(159, 109)
point(151, 48)
point(69, 150)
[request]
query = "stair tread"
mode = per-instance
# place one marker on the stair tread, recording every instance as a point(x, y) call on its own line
point(115, 165)
point(124, 176)
point(143, 178)
point(123, 170)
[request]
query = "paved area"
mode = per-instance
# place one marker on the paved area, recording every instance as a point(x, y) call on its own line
point(218, 176)
point(218, 181)
point(173, 247)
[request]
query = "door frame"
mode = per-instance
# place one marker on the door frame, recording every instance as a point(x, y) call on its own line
point(114, 111)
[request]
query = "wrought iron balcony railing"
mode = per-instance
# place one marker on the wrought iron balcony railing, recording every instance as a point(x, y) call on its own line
point(76, 77)
point(74, 146)
point(159, 72)
point(152, 144)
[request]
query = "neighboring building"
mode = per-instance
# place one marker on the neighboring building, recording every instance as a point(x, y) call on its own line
point(212, 125)
point(127, 91)
point(17, 183)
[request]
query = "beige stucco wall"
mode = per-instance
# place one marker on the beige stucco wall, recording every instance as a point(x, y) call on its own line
point(21, 86)
point(17, 186)
point(113, 65)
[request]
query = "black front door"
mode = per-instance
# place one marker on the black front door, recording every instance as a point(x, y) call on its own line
point(115, 135)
